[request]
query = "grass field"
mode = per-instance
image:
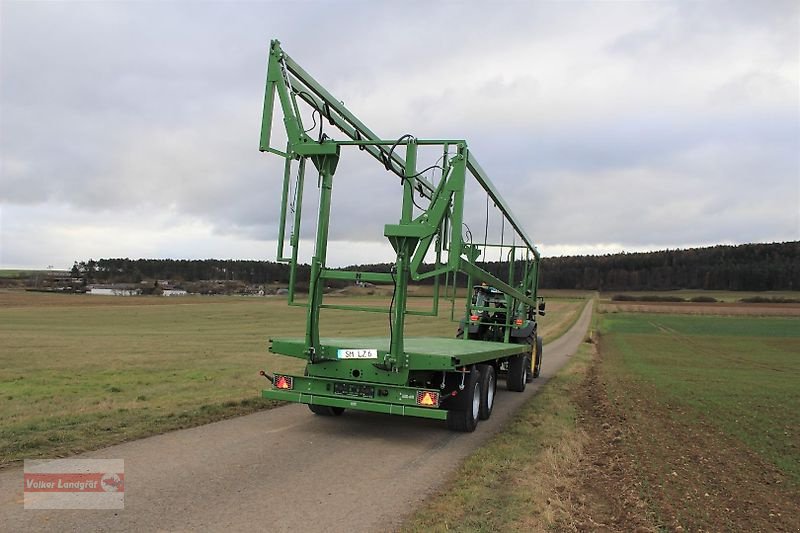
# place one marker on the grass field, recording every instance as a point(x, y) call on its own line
point(741, 374)
point(706, 410)
point(700, 302)
point(721, 296)
point(78, 372)
point(15, 273)
point(676, 423)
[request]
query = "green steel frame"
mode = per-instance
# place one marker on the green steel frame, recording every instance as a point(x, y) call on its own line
point(437, 229)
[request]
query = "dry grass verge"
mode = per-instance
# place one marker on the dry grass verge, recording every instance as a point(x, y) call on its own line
point(523, 479)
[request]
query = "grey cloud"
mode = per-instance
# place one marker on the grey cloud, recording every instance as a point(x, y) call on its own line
point(154, 107)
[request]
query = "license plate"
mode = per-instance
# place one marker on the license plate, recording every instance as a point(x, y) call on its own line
point(357, 353)
point(354, 389)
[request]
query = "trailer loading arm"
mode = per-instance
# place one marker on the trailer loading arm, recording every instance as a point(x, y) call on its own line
point(439, 222)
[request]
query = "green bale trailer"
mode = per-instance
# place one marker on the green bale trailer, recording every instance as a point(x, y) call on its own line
point(452, 379)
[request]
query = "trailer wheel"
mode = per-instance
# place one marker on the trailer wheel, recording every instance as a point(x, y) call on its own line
point(488, 389)
point(537, 367)
point(518, 368)
point(326, 410)
point(466, 411)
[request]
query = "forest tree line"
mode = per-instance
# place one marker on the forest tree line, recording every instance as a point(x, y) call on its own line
point(751, 267)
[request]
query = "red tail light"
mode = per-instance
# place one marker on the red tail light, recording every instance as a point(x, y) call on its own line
point(284, 382)
point(426, 398)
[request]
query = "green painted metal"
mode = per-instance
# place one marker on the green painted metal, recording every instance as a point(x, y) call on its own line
point(354, 403)
point(424, 353)
point(373, 277)
point(437, 229)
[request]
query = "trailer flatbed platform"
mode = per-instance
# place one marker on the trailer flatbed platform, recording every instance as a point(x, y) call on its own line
point(424, 353)
point(347, 374)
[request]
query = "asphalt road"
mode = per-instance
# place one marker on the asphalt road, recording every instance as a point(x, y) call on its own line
point(283, 469)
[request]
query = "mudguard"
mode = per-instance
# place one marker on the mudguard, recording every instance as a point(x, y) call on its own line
point(524, 331)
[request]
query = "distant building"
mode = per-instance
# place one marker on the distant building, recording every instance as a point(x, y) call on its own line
point(120, 289)
point(174, 292)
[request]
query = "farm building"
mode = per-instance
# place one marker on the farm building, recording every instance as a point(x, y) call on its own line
point(117, 289)
point(174, 292)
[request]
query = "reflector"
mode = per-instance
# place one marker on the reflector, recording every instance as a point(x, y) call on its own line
point(428, 398)
point(283, 382)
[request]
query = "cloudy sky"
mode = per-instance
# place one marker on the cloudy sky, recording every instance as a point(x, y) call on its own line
point(130, 129)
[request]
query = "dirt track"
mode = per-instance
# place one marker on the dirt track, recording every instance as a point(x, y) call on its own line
point(283, 469)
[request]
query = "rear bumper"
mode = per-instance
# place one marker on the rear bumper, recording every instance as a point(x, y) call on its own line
point(359, 405)
point(314, 391)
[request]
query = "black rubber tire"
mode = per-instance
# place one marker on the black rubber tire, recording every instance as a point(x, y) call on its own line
point(326, 410)
point(463, 415)
point(518, 368)
point(488, 390)
point(532, 358)
point(537, 367)
point(530, 370)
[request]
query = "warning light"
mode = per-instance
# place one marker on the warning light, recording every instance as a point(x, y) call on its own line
point(474, 318)
point(427, 398)
point(284, 382)
point(518, 322)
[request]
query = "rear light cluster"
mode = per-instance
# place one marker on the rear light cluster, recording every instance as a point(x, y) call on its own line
point(284, 382)
point(427, 398)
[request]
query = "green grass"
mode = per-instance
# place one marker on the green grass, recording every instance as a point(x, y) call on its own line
point(79, 371)
point(15, 273)
point(741, 374)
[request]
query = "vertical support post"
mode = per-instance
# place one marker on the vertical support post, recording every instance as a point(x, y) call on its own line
point(527, 270)
point(438, 246)
point(457, 247)
point(326, 166)
point(467, 305)
point(287, 178)
point(397, 348)
point(457, 218)
point(409, 181)
point(404, 248)
point(294, 238)
point(511, 303)
point(436, 281)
